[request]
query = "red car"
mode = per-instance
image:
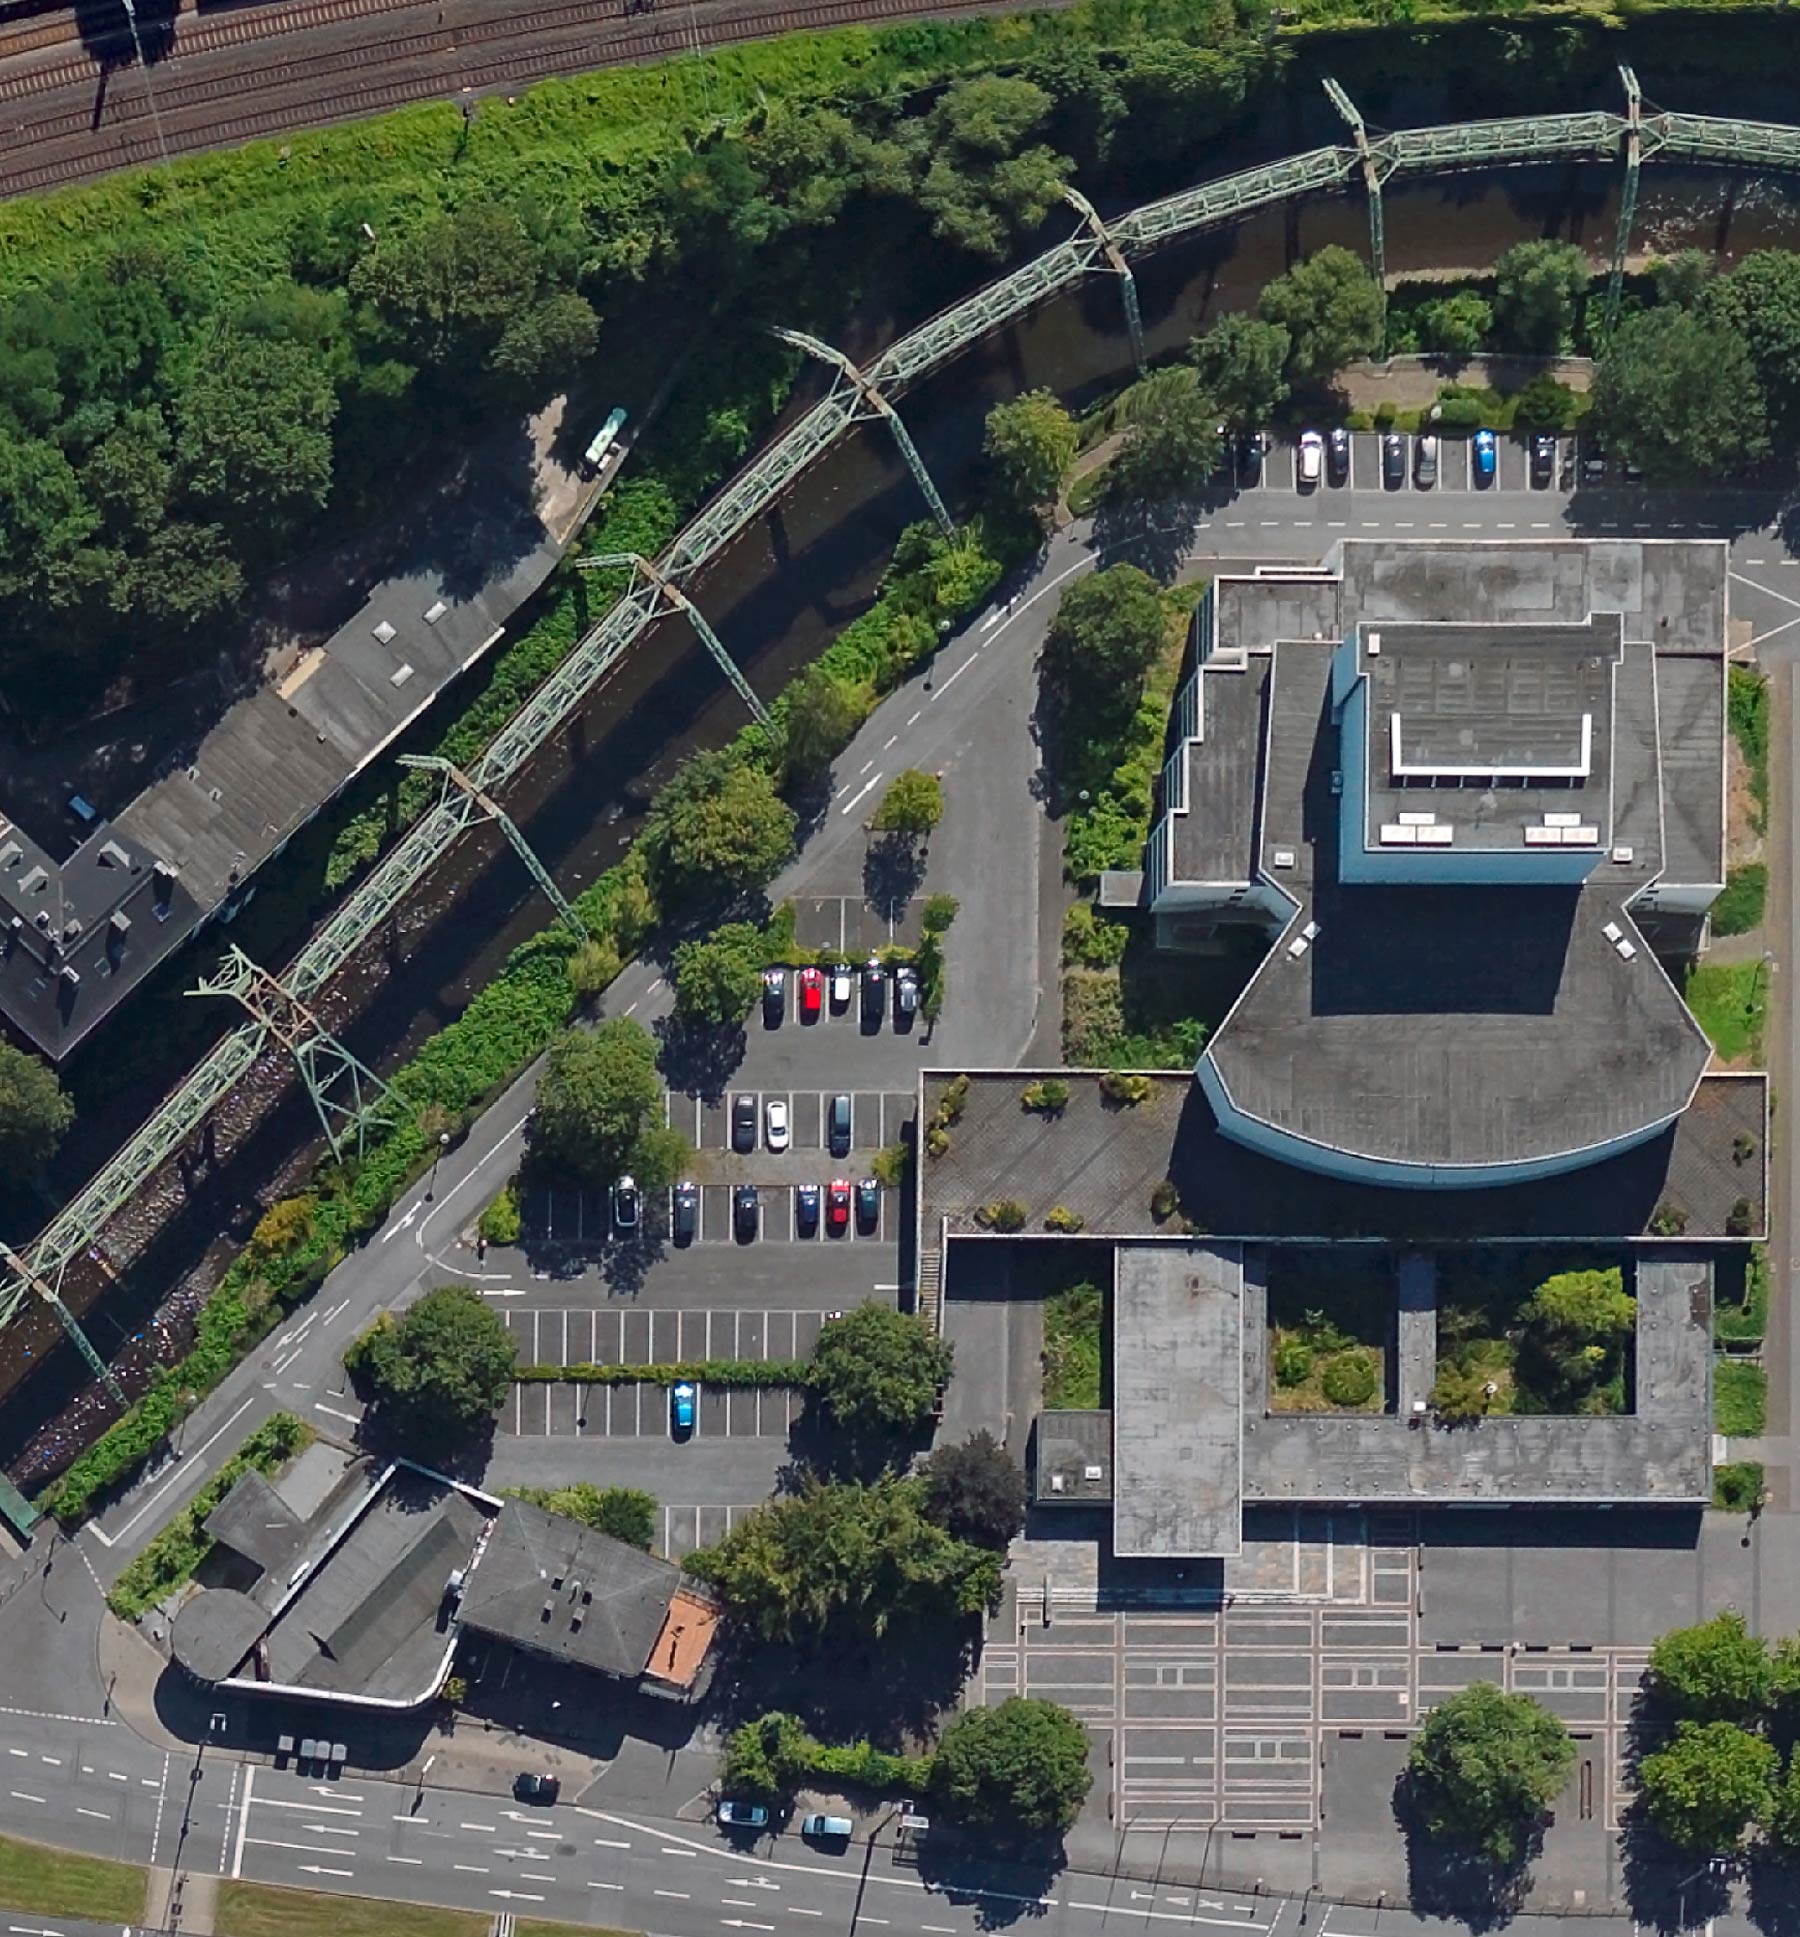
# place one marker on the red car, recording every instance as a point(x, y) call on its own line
point(812, 994)
point(837, 1206)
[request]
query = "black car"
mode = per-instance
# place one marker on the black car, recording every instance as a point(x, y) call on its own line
point(1593, 465)
point(1543, 459)
point(874, 992)
point(868, 1203)
point(1337, 455)
point(1250, 456)
point(743, 1122)
point(687, 1212)
point(531, 1787)
point(1393, 460)
point(774, 996)
point(743, 1211)
point(806, 1208)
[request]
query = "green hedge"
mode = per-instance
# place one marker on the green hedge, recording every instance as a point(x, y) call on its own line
point(170, 1559)
point(712, 1372)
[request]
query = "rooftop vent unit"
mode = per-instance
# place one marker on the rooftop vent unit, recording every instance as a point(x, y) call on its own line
point(70, 975)
point(112, 855)
point(1093, 1472)
point(1624, 856)
point(384, 633)
point(400, 676)
point(35, 882)
point(1056, 1483)
point(435, 612)
point(1298, 947)
point(1284, 857)
point(11, 855)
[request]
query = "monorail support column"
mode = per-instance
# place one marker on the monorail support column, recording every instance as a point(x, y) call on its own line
point(874, 404)
point(1115, 261)
point(66, 1318)
point(1372, 186)
point(667, 591)
point(1628, 195)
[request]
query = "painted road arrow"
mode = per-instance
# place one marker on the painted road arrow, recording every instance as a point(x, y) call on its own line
point(741, 1923)
point(318, 1869)
point(525, 1896)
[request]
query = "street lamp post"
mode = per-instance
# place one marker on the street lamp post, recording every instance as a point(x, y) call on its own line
point(443, 1144)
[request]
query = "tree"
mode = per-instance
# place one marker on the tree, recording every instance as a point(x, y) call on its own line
point(976, 1490)
point(1239, 363)
point(1106, 635)
point(34, 1113)
point(600, 1106)
point(1703, 1789)
point(879, 1370)
point(1538, 289)
point(913, 804)
point(44, 517)
point(1683, 278)
point(1171, 443)
point(185, 576)
point(1030, 444)
point(1331, 308)
point(1583, 1305)
point(1680, 394)
point(857, 1557)
point(624, 1512)
point(253, 429)
point(1457, 325)
point(719, 827)
point(450, 290)
point(1760, 299)
point(982, 184)
point(1020, 1766)
point(1486, 1766)
point(548, 340)
point(717, 979)
point(1715, 1671)
point(818, 717)
point(1781, 1818)
point(442, 1367)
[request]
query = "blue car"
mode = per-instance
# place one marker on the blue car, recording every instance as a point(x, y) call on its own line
point(681, 1409)
point(1485, 457)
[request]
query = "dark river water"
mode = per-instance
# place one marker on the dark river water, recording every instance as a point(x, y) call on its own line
point(776, 598)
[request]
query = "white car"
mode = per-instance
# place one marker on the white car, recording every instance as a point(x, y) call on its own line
point(1312, 457)
point(775, 1123)
point(840, 986)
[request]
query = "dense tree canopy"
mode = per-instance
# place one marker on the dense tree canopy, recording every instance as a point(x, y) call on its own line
point(1715, 1671)
point(1107, 633)
point(819, 716)
point(1707, 1785)
point(1679, 394)
point(718, 976)
point(627, 1513)
point(983, 180)
point(1538, 290)
point(1171, 443)
point(1331, 308)
point(1486, 1766)
point(879, 1370)
point(1760, 300)
point(600, 1107)
point(34, 1113)
point(912, 805)
point(441, 1368)
point(1019, 1766)
point(1030, 444)
point(1241, 364)
point(976, 1490)
point(719, 830)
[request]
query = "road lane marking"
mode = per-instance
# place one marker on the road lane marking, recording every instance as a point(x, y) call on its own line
point(21, 1795)
point(162, 1790)
point(101, 1813)
point(873, 782)
point(237, 1856)
point(592, 1885)
point(472, 1869)
point(611, 1843)
point(183, 1465)
point(269, 1843)
point(406, 1859)
point(1161, 1916)
point(486, 1829)
point(312, 1808)
point(682, 1894)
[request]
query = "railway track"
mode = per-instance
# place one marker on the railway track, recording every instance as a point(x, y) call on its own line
point(66, 120)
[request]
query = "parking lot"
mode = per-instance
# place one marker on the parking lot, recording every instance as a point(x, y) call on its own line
point(1455, 470)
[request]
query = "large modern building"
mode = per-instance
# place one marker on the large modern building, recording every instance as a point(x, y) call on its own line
point(1460, 782)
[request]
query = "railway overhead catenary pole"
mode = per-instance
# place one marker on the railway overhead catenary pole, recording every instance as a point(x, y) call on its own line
point(672, 594)
point(875, 404)
point(49, 1295)
point(1371, 175)
point(483, 806)
point(1114, 258)
point(1589, 135)
point(324, 1063)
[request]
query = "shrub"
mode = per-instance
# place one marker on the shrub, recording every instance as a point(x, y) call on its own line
point(1164, 1200)
point(938, 913)
point(1737, 1488)
point(500, 1222)
point(1004, 1214)
point(1743, 1148)
point(937, 1141)
point(1460, 413)
point(454, 1692)
point(1090, 941)
point(1739, 908)
point(1668, 1220)
point(1293, 1362)
point(1050, 1096)
point(951, 1102)
point(1123, 1087)
point(284, 1225)
point(1061, 1218)
point(1545, 404)
point(1459, 1393)
point(1740, 1220)
point(1349, 1379)
point(890, 1165)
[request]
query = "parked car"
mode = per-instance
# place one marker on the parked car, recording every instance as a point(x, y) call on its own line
point(531, 1786)
point(625, 1204)
point(1593, 465)
point(775, 1123)
point(1543, 459)
point(743, 1211)
point(812, 994)
point(868, 1202)
point(837, 1204)
point(774, 995)
point(840, 986)
point(1634, 472)
point(687, 1211)
point(742, 1815)
point(806, 1208)
point(681, 1409)
point(1337, 455)
point(1393, 460)
point(743, 1122)
point(1250, 456)
point(1425, 462)
point(1309, 463)
point(1484, 454)
point(829, 1829)
point(838, 1126)
point(874, 990)
point(906, 995)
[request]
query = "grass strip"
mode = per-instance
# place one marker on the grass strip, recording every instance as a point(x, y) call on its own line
point(1740, 1398)
point(1730, 1002)
point(1073, 1347)
point(1738, 1488)
point(1745, 1316)
point(1747, 711)
point(58, 1883)
point(266, 1910)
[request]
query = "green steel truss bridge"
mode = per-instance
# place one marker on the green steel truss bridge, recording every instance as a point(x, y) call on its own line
point(279, 1015)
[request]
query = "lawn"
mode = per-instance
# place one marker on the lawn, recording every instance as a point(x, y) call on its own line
point(1740, 1398)
point(537, 1927)
point(258, 1910)
point(1331, 1319)
point(1730, 1001)
point(1736, 1489)
point(1074, 1325)
point(1741, 1299)
point(54, 1883)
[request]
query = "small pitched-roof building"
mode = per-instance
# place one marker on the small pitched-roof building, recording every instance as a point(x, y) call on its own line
point(1460, 782)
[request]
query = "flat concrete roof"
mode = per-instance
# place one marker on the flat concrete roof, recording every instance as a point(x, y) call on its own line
point(1177, 1400)
point(1071, 1447)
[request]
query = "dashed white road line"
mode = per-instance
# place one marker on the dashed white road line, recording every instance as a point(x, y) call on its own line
point(21, 1796)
